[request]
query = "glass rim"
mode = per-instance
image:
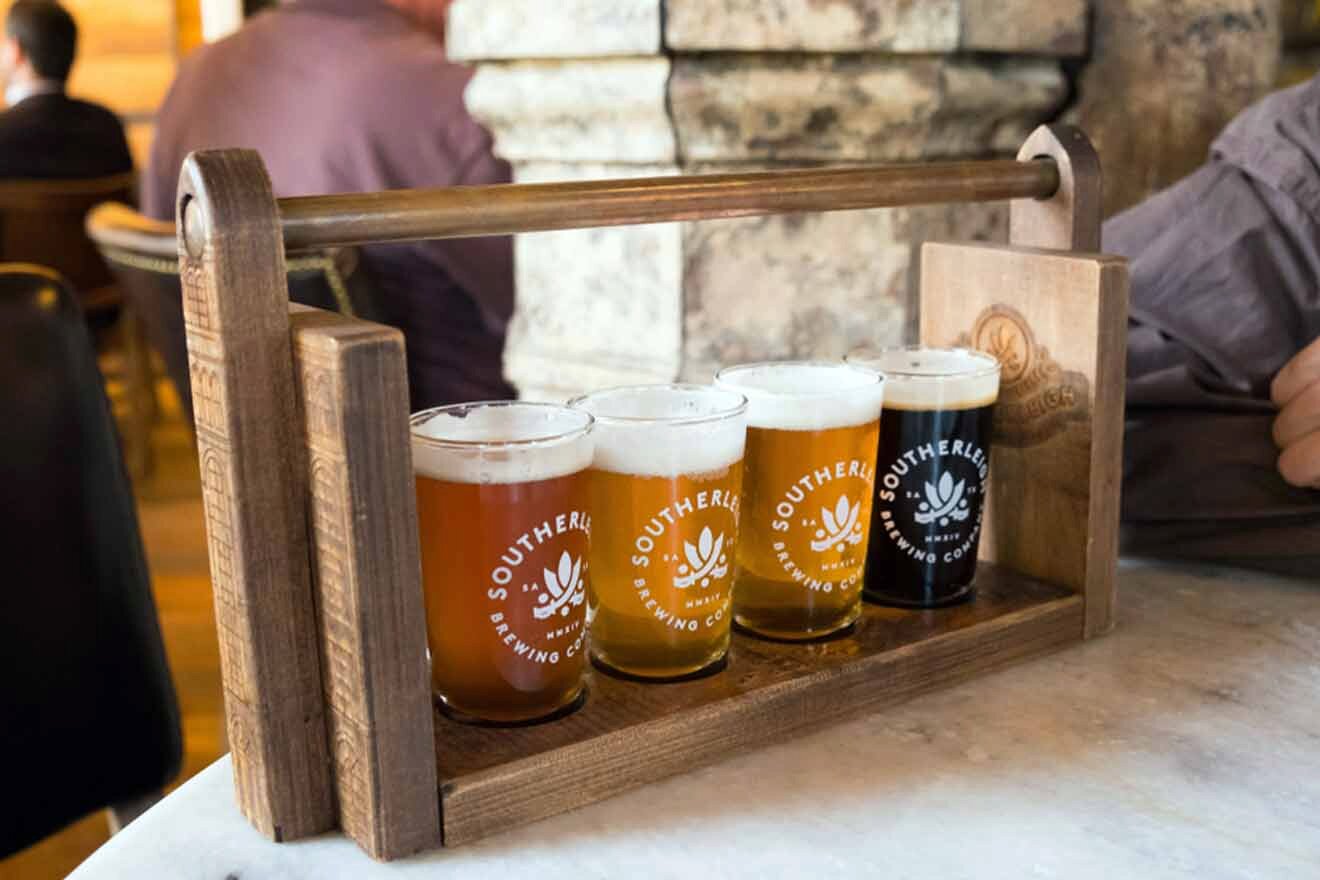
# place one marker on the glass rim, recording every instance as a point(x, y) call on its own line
point(579, 402)
point(990, 363)
point(423, 416)
point(879, 375)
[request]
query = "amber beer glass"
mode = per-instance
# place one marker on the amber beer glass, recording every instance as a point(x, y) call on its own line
point(504, 516)
point(665, 491)
point(931, 473)
point(812, 431)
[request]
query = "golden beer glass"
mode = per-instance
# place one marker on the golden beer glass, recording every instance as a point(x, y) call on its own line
point(812, 429)
point(505, 520)
point(665, 491)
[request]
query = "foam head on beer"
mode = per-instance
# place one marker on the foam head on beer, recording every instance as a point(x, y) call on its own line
point(484, 443)
point(934, 378)
point(806, 395)
point(666, 430)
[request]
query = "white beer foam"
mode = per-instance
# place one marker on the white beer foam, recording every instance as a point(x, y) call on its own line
point(801, 396)
point(666, 431)
point(934, 378)
point(510, 443)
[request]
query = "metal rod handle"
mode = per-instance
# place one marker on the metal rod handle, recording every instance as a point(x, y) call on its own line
point(458, 212)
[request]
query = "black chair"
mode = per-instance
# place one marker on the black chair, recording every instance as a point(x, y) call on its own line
point(142, 254)
point(88, 715)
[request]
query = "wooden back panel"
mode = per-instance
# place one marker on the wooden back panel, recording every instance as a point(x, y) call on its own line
point(1058, 324)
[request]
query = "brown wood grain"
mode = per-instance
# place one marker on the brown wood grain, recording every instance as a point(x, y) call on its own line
point(353, 389)
point(1070, 219)
point(629, 733)
point(455, 212)
point(254, 489)
point(1058, 323)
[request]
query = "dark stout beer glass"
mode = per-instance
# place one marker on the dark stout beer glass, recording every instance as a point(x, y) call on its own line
point(931, 472)
point(504, 514)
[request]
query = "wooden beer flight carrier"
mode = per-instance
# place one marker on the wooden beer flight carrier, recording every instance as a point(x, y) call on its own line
point(302, 432)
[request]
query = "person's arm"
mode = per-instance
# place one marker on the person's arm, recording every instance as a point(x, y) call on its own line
point(1296, 391)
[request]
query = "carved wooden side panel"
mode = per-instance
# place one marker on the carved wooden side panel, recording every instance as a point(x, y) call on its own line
point(253, 491)
point(354, 396)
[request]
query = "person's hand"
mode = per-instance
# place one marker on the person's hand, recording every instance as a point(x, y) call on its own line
point(1296, 391)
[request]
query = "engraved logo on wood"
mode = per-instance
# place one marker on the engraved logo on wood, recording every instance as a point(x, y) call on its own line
point(1038, 399)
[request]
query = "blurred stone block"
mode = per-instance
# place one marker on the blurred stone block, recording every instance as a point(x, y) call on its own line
point(655, 303)
point(856, 107)
point(1041, 27)
point(1164, 79)
point(811, 285)
point(603, 110)
point(1301, 23)
point(811, 25)
point(596, 307)
point(509, 29)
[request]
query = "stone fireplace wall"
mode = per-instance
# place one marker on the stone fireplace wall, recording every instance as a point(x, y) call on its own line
point(582, 89)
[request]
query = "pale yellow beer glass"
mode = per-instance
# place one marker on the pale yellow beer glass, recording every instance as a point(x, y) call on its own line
point(665, 495)
point(812, 429)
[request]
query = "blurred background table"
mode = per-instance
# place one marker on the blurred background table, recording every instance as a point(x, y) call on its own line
point(1182, 745)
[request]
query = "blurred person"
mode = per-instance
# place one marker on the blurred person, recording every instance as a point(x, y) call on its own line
point(355, 95)
point(45, 133)
point(1223, 436)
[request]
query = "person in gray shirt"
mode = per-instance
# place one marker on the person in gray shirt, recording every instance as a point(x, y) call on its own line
point(1222, 458)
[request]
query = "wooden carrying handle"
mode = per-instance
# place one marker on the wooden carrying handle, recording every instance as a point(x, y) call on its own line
point(456, 212)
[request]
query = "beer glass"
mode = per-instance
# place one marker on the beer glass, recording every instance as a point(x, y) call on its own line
point(812, 432)
point(504, 516)
point(665, 492)
point(931, 473)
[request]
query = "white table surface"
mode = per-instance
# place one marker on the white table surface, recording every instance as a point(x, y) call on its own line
point(1186, 744)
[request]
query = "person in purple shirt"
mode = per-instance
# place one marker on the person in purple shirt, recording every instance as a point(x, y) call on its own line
point(356, 95)
point(1222, 445)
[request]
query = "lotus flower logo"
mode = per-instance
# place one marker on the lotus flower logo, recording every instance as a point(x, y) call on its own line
point(563, 589)
point(705, 561)
point(944, 502)
point(841, 526)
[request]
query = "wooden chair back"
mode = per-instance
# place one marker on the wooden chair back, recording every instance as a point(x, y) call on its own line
point(142, 254)
point(41, 221)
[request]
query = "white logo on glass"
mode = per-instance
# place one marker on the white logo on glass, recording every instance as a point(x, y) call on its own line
point(944, 502)
point(563, 589)
point(704, 561)
point(841, 526)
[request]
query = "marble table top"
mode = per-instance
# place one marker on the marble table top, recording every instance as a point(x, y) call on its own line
point(1184, 745)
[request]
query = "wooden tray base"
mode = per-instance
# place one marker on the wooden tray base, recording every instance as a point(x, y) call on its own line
point(628, 734)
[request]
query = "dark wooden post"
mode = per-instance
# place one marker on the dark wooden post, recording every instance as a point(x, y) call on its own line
point(254, 488)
